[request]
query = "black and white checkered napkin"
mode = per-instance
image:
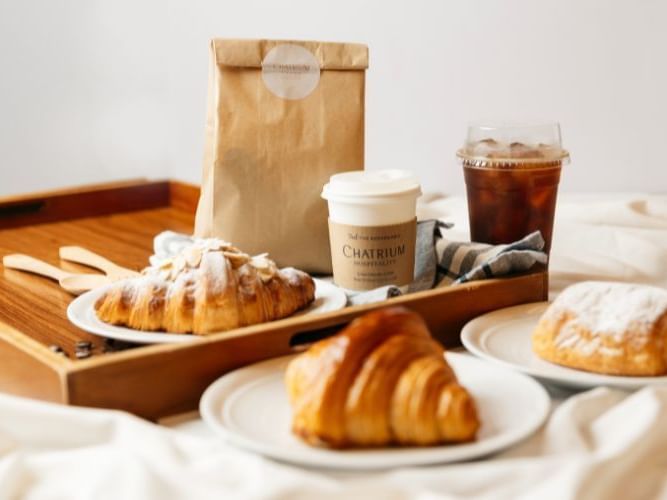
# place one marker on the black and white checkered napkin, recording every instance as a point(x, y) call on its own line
point(443, 262)
point(459, 262)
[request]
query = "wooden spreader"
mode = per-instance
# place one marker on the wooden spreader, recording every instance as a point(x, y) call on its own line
point(119, 221)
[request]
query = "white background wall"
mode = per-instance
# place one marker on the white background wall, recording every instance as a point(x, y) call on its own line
point(94, 90)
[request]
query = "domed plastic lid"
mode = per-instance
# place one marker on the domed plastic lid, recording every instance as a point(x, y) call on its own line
point(497, 145)
point(370, 183)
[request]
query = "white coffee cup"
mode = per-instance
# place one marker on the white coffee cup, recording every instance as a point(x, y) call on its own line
point(372, 227)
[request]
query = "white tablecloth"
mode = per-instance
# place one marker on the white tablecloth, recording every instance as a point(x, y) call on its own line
point(597, 444)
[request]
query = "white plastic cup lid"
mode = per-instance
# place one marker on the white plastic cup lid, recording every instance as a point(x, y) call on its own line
point(372, 183)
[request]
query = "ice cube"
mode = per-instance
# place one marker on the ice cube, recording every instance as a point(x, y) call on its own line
point(521, 150)
point(484, 148)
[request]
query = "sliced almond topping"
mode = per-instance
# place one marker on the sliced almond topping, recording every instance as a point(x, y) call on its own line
point(266, 268)
point(193, 256)
point(236, 259)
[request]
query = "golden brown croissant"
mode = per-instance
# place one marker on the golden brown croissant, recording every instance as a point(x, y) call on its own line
point(381, 380)
point(208, 287)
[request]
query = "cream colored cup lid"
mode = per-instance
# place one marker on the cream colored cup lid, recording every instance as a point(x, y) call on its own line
point(372, 183)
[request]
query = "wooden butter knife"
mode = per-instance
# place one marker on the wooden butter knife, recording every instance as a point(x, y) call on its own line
point(84, 256)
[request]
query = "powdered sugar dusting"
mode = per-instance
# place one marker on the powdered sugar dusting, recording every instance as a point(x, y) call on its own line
point(609, 308)
point(214, 266)
point(189, 258)
point(133, 285)
point(293, 276)
point(210, 257)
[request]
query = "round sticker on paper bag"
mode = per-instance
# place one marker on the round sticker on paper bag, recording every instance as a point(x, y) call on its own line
point(290, 71)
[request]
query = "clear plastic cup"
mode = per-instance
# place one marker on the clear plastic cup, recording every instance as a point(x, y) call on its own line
point(512, 174)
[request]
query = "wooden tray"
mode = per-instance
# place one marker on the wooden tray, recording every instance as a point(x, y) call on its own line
point(119, 221)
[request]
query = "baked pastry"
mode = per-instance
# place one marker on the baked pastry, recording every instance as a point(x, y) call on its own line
point(382, 380)
point(210, 286)
point(613, 328)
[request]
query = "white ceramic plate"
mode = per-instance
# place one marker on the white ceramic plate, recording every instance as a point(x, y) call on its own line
point(81, 313)
point(504, 337)
point(249, 408)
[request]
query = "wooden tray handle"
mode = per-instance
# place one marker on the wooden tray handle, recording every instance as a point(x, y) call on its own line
point(301, 340)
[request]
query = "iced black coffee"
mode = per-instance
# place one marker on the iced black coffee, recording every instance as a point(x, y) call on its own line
point(512, 175)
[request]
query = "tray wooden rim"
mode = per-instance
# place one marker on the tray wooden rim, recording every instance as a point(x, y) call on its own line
point(332, 317)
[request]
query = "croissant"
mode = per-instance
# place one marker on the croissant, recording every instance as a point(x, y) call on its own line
point(208, 287)
point(381, 380)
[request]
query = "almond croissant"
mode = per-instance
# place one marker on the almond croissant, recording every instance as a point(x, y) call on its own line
point(381, 380)
point(209, 287)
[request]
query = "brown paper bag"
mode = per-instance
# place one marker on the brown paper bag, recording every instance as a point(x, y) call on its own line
point(282, 118)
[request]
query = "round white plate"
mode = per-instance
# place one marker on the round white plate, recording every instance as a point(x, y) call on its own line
point(81, 312)
point(504, 337)
point(250, 409)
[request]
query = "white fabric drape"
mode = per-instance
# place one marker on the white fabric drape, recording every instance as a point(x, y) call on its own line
point(597, 444)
